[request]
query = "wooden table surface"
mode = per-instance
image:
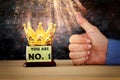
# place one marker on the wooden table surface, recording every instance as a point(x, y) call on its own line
point(65, 70)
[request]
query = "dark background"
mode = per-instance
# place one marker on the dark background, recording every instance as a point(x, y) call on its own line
point(105, 14)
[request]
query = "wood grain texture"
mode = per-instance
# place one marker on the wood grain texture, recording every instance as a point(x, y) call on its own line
point(65, 70)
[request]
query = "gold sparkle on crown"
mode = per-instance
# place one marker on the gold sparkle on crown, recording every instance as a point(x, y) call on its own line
point(40, 36)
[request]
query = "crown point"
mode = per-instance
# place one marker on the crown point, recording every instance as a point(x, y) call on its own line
point(54, 26)
point(24, 25)
point(40, 37)
point(40, 22)
point(28, 22)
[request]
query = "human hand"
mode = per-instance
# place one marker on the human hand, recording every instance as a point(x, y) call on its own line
point(90, 47)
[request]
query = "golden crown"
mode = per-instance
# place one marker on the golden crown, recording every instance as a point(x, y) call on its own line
point(40, 36)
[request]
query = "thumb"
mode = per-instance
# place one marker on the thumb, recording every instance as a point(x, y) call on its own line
point(88, 27)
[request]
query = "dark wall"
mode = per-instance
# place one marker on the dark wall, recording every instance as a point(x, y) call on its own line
point(11, 45)
point(105, 14)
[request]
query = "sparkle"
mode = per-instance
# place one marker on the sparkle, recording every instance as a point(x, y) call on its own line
point(60, 12)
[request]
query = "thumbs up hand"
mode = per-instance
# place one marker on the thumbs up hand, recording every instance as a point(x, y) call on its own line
point(90, 47)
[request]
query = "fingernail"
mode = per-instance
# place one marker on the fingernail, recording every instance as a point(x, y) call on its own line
point(87, 58)
point(79, 17)
point(79, 13)
point(88, 41)
point(89, 46)
point(88, 52)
